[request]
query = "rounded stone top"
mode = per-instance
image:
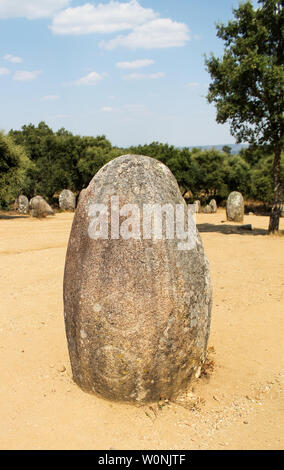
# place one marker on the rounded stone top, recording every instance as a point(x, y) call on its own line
point(235, 196)
point(133, 176)
point(67, 200)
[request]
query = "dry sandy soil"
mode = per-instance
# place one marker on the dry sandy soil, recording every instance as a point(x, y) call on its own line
point(237, 406)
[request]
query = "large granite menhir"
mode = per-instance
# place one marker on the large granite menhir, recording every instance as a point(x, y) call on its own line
point(235, 207)
point(137, 312)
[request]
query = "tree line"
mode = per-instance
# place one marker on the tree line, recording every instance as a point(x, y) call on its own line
point(36, 160)
point(247, 89)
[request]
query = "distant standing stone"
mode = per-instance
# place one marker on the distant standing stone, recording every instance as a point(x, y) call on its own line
point(22, 204)
point(137, 311)
point(213, 205)
point(235, 207)
point(197, 206)
point(67, 200)
point(207, 209)
point(39, 207)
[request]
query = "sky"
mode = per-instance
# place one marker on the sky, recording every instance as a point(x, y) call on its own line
point(132, 70)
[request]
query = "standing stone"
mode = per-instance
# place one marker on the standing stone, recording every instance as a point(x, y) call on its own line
point(39, 207)
point(22, 204)
point(235, 207)
point(67, 200)
point(207, 209)
point(213, 205)
point(137, 311)
point(197, 206)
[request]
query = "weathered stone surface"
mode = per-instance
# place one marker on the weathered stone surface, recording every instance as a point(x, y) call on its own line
point(137, 312)
point(213, 205)
point(67, 200)
point(197, 206)
point(208, 209)
point(82, 194)
point(22, 204)
point(39, 207)
point(235, 207)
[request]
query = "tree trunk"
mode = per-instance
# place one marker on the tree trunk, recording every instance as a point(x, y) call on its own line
point(276, 208)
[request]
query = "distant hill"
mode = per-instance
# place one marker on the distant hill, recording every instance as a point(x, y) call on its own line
point(235, 147)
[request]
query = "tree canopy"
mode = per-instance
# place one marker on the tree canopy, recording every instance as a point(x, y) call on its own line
point(37, 160)
point(248, 82)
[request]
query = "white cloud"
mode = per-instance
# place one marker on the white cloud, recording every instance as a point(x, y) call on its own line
point(13, 59)
point(91, 79)
point(148, 31)
point(144, 76)
point(192, 85)
point(156, 34)
point(50, 98)
point(24, 75)
point(135, 64)
point(108, 109)
point(103, 18)
point(4, 71)
point(30, 9)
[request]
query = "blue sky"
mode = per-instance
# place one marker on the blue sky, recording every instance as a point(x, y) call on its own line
point(132, 70)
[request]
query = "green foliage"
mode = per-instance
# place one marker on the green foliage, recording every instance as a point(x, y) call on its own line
point(210, 173)
point(237, 175)
point(62, 160)
point(248, 80)
point(15, 168)
point(227, 149)
point(45, 162)
point(92, 160)
point(261, 181)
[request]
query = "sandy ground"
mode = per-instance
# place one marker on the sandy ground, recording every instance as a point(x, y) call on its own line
point(237, 406)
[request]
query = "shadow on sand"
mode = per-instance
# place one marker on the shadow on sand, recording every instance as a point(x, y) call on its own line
point(230, 229)
point(8, 217)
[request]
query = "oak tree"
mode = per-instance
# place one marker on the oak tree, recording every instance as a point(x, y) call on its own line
point(248, 83)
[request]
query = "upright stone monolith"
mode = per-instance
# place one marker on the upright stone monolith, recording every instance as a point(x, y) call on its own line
point(235, 207)
point(39, 207)
point(213, 205)
point(137, 307)
point(22, 204)
point(197, 207)
point(67, 200)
